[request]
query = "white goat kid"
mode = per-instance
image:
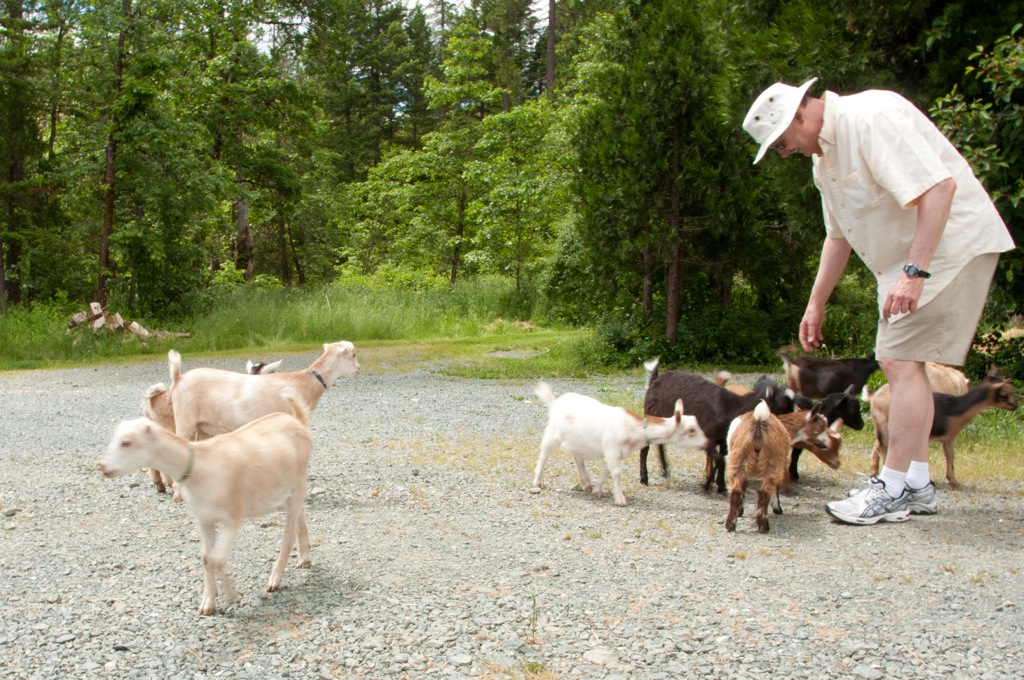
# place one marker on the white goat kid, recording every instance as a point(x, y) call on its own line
point(225, 479)
point(210, 401)
point(590, 430)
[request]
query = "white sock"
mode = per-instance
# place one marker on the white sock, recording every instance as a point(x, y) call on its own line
point(894, 481)
point(918, 476)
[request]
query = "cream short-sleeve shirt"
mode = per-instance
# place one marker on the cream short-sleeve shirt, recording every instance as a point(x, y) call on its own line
point(879, 154)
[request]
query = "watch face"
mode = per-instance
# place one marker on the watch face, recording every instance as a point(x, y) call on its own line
point(914, 271)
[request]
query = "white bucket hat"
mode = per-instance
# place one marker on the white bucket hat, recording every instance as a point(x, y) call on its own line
point(772, 113)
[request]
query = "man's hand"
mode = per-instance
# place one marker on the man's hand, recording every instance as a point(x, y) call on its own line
point(810, 327)
point(903, 297)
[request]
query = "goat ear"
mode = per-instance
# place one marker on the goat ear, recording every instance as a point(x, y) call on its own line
point(849, 390)
point(679, 410)
point(815, 410)
point(836, 426)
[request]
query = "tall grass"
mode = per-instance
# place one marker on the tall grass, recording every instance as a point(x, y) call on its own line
point(357, 312)
point(246, 318)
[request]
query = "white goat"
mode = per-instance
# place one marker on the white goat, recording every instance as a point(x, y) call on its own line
point(590, 430)
point(156, 405)
point(225, 479)
point(210, 401)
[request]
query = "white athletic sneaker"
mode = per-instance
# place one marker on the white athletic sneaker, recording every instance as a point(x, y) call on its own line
point(923, 501)
point(871, 506)
point(864, 482)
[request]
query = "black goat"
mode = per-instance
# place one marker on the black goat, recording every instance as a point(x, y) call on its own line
point(816, 377)
point(714, 407)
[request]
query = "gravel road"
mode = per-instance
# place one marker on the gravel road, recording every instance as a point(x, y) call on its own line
point(431, 558)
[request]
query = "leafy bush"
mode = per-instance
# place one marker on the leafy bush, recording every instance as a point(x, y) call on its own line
point(996, 348)
point(851, 323)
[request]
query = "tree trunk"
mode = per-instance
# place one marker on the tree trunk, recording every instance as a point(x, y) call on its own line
point(460, 232)
point(674, 291)
point(648, 289)
point(109, 196)
point(550, 79)
point(245, 257)
point(15, 129)
point(299, 271)
point(110, 166)
point(282, 249)
point(244, 246)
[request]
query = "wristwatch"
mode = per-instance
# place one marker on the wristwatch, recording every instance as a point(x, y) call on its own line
point(915, 272)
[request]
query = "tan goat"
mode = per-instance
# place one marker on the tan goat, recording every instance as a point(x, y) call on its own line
point(210, 401)
point(226, 479)
point(156, 405)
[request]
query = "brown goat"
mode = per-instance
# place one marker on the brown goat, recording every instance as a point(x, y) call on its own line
point(758, 447)
point(952, 413)
point(810, 430)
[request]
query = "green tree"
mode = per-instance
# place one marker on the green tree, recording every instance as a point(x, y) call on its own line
point(989, 131)
point(19, 143)
point(646, 132)
point(524, 188)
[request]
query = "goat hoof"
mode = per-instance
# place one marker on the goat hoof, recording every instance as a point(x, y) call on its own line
point(207, 611)
point(762, 528)
point(730, 527)
point(305, 564)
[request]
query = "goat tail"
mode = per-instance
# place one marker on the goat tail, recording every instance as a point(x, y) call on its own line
point(651, 366)
point(299, 410)
point(544, 393)
point(760, 424)
point(151, 393)
point(174, 366)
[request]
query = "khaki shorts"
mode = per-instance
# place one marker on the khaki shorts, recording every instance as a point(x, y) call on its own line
point(943, 329)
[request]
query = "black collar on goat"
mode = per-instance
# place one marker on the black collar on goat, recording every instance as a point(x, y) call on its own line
point(317, 376)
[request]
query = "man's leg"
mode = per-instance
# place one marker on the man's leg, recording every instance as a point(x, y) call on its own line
point(886, 498)
point(911, 410)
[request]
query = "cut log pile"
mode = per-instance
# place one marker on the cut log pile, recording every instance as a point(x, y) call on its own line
point(97, 319)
